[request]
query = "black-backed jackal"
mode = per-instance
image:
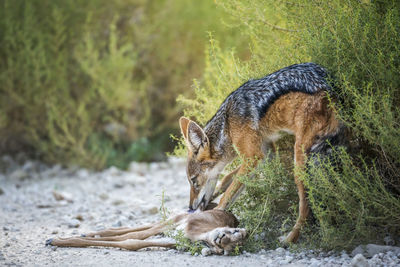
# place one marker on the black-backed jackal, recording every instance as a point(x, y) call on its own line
point(293, 100)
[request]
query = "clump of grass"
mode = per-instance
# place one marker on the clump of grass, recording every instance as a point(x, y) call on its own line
point(184, 244)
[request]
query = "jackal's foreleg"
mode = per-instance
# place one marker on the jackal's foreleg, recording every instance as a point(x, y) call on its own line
point(236, 187)
point(225, 183)
point(230, 195)
point(249, 147)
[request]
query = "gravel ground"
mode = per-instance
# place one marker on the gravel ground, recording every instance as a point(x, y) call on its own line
point(30, 213)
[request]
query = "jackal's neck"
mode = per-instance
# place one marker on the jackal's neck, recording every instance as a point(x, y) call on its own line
point(217, 133)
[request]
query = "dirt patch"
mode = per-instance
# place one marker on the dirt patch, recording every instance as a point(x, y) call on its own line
point(40, 202)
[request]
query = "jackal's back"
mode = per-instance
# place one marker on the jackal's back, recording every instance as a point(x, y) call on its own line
point(254, 97)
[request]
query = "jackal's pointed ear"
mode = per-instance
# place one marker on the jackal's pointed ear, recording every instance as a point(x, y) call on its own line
point(183, 123)
point(196, 137)
point(193, 134)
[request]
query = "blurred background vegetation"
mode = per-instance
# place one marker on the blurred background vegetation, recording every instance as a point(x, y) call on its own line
point(95, 83)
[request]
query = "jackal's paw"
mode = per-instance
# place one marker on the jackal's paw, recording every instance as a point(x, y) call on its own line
point(292, 237)
point(224, 239)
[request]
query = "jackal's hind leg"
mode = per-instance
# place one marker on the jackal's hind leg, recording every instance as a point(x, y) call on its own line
point(223, 240)
point(300, 146)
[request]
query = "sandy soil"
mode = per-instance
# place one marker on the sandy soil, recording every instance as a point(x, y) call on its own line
point(30, 214)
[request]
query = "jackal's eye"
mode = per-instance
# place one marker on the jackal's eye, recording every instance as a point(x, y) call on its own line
point(193, 179)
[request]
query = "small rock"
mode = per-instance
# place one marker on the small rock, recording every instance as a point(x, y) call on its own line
point(344, 255)
point(54, 232)
point(371, 249)
point(82, 173)
point(280, 251)
point(44, 206)
point(358, 250)
point(359, 261)
point(288, 259)
point(140, 168)
point(73, 168)
point(19, 174)
point(59, 196)
point(103, 196)
point(388, 239)
point(112, 171)
point(1, 191)
point(117, 224)
point(28, 166)
point(206, 252)
point(79, 217)
point(117, 202)
point(314, 262)
point(100, 227)
point(74, 223)
point(118, 185)
point(53, 171)
point(150, 210)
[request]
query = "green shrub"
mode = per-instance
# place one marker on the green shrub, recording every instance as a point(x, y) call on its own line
point(350, 202)
point(356, 193)
point(63, 76)
point(359, 43)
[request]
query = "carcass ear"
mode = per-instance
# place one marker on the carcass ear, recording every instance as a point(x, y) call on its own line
point(184, 122)
point(196, 138)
